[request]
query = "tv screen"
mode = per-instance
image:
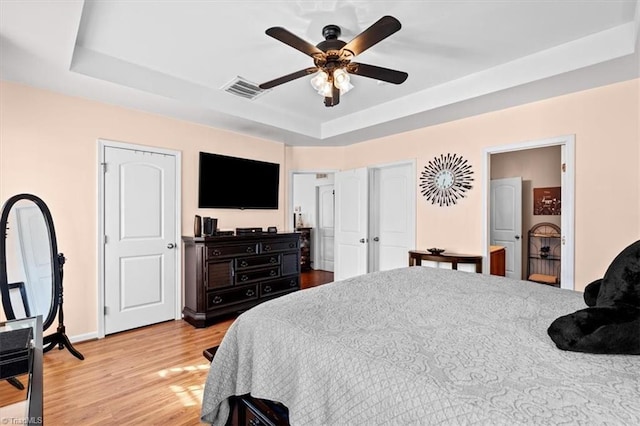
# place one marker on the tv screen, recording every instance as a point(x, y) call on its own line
point(237, 183)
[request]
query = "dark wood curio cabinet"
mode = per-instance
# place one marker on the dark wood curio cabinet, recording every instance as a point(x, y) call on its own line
point(305, 248)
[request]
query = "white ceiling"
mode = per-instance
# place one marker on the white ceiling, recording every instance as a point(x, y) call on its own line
point(174, 58)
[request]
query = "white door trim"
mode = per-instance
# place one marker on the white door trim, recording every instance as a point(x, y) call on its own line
point(290, 205)
point(102, 144)
point(567, 143)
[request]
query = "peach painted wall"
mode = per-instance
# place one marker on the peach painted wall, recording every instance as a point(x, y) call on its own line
point(48, 146)
point(607, 199)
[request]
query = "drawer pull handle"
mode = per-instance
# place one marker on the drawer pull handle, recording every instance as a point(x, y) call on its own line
point(273, 273)
point(244, 277)
point(267, 289)
point(243, 263)
point(267, 247)
point(216, 252)
point(292, 245)
point(273, 260)
point(250, 250)
point(250, 293)
point(292, 283)
point(216, 300)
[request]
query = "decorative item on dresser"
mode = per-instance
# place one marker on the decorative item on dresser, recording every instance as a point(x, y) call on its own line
point(305, 248)
point(230, 274)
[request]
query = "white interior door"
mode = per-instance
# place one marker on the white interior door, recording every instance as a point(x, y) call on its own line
point(325, 229)
point(506, 222)
point(140, 251)
point(392, 215)
point(351, 223)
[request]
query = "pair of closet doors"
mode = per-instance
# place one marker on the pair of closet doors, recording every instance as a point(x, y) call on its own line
point(375, 218)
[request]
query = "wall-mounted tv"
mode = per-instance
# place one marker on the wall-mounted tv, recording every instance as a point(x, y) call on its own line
point(237, 183)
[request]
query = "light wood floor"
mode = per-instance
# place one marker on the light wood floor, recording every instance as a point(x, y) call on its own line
point(151, 375)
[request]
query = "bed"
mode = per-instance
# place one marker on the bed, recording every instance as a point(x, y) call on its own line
point(420, 345)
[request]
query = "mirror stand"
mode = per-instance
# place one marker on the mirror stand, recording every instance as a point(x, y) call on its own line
point(15, 382)
point(60, 336)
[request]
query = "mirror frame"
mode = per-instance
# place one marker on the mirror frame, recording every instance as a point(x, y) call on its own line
point(56, 277)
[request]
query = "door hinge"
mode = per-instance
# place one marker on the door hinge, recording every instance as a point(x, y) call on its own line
point(106, 310)
point(105, 239)
point(564, 167)
point(104, 167)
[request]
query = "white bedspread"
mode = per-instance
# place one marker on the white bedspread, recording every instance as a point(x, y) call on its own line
point(420, 346)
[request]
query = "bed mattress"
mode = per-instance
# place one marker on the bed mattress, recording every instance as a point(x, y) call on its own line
point(420, 345)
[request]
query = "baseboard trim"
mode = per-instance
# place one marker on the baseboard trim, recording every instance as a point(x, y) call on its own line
point(83, 337)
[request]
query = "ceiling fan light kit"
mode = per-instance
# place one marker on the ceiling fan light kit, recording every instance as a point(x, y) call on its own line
point(332, 59)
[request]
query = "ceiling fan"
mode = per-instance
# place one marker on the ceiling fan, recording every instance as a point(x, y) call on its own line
point(332, 58)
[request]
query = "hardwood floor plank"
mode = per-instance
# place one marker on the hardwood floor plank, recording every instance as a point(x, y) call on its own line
point(151, 375)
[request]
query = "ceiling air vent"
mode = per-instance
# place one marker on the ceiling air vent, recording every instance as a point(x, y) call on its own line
point(244, 88)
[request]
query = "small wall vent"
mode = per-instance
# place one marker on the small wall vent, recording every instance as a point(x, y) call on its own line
point(244, 88)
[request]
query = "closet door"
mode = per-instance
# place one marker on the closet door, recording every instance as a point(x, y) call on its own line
point(392, 210)
point(351, 223)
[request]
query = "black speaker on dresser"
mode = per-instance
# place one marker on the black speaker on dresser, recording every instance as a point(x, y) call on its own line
point(209, 226)
point(197, 226)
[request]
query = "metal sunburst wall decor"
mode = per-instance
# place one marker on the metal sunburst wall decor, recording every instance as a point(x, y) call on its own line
point(445, 179)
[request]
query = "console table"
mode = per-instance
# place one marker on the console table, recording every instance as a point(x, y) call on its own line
point(230, 274)
point(417, 256)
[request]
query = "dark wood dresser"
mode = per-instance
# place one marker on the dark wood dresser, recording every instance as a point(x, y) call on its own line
point(230, 274)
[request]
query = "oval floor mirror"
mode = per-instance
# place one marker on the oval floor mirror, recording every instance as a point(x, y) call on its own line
point(31, 267)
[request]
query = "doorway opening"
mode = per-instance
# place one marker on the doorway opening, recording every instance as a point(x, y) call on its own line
point(565, 163)
point(311, 205)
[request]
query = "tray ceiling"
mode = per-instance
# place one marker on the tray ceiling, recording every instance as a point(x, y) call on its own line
point(175, 58)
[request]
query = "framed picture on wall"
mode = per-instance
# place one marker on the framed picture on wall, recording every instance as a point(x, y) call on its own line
point(547, 201)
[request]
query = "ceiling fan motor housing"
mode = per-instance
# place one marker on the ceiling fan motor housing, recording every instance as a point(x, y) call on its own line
point(331, 32)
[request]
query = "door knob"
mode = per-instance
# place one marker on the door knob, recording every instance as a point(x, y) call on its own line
point(376, 239)
point(170, 245)
point(517, 237)
point(362, 240)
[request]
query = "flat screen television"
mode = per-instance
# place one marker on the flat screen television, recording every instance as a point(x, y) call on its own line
point(237, 183)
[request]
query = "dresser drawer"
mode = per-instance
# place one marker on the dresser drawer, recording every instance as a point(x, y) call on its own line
point(251, 262)
point(218, 274)
point(221, 298)
point(280, 246)
point(231, 250)
point(278, 286)
point(253, 275)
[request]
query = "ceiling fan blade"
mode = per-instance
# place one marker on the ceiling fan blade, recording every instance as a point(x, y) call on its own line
point(377, 32)
point(294, 41)
point(287, 78)
point(379, 73)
